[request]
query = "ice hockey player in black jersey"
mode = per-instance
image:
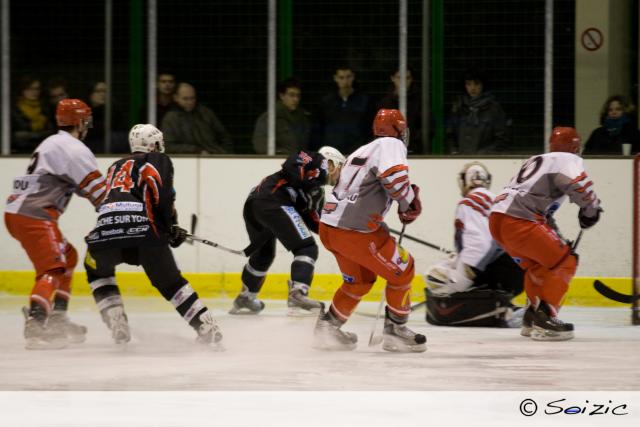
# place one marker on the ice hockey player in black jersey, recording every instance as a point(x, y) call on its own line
point(137, 223)
point(284, 207)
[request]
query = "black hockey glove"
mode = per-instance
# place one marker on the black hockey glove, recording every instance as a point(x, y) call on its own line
point(177, 236)
point(588, 221)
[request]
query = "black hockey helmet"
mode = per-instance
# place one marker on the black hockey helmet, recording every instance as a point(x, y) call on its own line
point(305, 169)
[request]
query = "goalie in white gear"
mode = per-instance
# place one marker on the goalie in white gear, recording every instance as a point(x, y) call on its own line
point(474, 286)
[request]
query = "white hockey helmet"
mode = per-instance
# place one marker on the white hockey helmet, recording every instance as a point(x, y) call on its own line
point(473, 175)
point(145, 138)
point(332, 154)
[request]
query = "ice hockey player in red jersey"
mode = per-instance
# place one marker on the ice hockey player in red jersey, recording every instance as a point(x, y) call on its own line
point(352, 227)
point(475, 285)
point(60, 166)
point(521, 222)
point(136, 224)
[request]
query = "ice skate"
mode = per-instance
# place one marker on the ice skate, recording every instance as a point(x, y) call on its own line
point(527, 322)
point(209, 331)
point(299, 303)
point(397, 337)
point(116, 320)
point(40, 337)
point(327, 334)
point(246, 303)
point(60, 321)
point(547, 326)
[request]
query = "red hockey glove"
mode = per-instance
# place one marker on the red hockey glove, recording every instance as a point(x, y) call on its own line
point(415, 208)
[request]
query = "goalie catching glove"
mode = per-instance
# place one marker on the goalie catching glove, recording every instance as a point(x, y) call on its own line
point(177, 236)
point(415, 207)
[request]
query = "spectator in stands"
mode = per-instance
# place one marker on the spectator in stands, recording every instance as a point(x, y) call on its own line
point(192, 128)
point(414, 107)
point(345, 115)
point(30, 122)
point(166, 89)
point(617, 129)
point(57, 91)
point(477, 123)
point(95, 138)
point(292, 122)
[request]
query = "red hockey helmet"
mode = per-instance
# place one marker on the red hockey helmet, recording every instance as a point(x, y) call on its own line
point(72, 112)
point(564, 139)
point(389, 122)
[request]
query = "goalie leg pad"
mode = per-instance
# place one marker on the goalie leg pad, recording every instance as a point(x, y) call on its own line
point(478, 307)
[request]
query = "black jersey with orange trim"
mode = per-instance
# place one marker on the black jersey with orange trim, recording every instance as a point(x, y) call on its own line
point(138, 207)
point(299, 184)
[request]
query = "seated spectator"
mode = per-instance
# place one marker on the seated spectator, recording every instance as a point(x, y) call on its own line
point(30, 122)
point(345, 115)
point(477, 124)
point(617, 129)
point(292, 122)
point(414, 107)
point(192, 128)
point(165, 90)
point(57, 91)
point(95, 137)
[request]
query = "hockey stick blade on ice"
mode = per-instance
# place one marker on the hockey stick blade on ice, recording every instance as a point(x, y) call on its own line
point(423, 242)
point(614, 295)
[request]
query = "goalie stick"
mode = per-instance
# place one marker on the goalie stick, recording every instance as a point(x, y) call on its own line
point(614, 295)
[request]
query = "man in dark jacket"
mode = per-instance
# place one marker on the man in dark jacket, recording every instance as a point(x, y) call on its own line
point(477, 124)
point(192, 128)
point(292, 122)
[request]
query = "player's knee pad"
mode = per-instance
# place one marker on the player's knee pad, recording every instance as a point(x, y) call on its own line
point(477, 307)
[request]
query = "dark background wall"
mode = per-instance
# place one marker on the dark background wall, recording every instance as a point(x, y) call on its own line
point(221, 48)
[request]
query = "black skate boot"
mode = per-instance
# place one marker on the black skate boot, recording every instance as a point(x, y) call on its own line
point(116, 320)
point(38, 335)
point(299, 302)
point(547, 326)
point(60, 320)
point(208, 331)
point(327, 334)
point(397, 337)
point(246, 303)
point(527, 321)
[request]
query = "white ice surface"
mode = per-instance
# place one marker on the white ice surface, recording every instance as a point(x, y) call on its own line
point(273, 352)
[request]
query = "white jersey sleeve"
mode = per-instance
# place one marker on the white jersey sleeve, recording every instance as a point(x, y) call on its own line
point(372, 177)
point(474, 244)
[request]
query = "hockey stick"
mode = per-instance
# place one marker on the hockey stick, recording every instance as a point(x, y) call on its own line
point(415, 239)
point(413, 307)
point(374, 338)
point(614, 295)
point(193, 238)
point(194, 224)
point(244, 252)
